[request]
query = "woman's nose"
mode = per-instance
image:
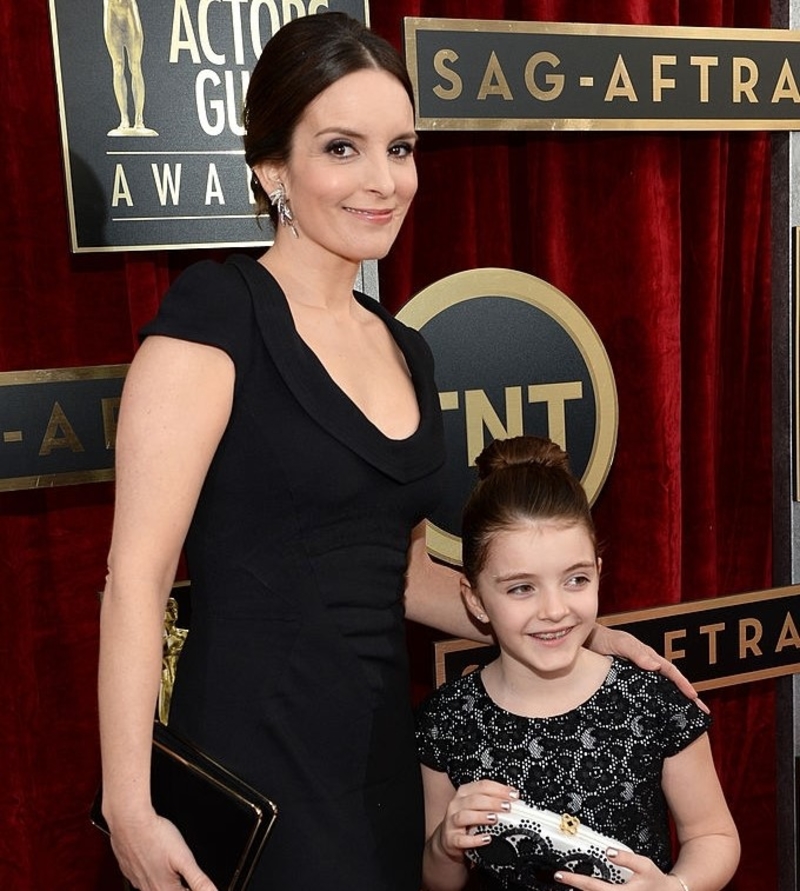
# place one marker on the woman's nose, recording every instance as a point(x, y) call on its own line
point(380, 177)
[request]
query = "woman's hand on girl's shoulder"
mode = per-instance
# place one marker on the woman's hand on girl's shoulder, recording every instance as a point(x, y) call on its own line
point(613, 642)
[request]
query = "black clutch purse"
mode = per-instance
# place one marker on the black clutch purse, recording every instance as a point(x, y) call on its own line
point(224, 821)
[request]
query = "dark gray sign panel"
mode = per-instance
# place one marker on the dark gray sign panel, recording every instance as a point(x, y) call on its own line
point(150, 96)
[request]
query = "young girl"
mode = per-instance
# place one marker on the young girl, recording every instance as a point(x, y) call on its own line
point(552, 723)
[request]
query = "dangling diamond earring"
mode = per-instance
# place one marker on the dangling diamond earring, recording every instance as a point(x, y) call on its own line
point(280, 202)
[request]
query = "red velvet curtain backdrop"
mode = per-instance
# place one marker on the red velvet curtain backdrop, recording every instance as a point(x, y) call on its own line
point(662, 239)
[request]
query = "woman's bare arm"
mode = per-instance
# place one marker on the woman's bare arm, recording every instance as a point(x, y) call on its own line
point(175, 405)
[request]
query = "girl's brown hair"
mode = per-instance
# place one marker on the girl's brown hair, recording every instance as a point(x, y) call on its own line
point(520, 479)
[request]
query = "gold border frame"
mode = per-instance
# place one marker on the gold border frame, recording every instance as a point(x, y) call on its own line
point(493, 281)
point(413, 24)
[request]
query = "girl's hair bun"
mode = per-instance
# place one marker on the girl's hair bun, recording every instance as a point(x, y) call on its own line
point(504, 453)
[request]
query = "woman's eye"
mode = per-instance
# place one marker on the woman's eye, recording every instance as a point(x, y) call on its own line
point(401, 150)
point(340, 148)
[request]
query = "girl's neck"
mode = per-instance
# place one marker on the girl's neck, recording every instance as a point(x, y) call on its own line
point(518, 689)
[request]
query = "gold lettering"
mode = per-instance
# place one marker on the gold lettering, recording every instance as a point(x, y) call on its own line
point(440, 66)
point(494, 81)
point(620, 83)
point(712, 631)
point(59, 434)
point(213, 186)
point(555, 395)
point(789, 636)
point(750, 641)
point(121, 190)
point(555, 81)
point(255, 23)
point(744, 85)
point(704, 63)
point(480, 413)
point(234, 103)
point(167, 182)
point(248, 178)
point(213, 126)
point(786, 87)
point(205, 39)
point(238, 36)
point(669, 650)
point(181, 20)
point(449, 400)
point(110, 408)
point(292, 5)
point(661, 83)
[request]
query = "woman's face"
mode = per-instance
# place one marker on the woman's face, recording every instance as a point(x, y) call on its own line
point(538, 589)
point(351, 174)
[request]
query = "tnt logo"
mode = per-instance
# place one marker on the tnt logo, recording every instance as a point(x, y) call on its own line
point(513, 355)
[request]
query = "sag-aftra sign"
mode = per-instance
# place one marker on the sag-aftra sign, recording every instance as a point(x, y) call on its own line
point(500, 75)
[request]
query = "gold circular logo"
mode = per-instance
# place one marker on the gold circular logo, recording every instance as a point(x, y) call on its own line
point(513, 355)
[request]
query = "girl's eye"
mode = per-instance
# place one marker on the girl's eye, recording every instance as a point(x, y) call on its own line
point(520, 590)
point(578, 581)
point(340, 148)
point(401, 150)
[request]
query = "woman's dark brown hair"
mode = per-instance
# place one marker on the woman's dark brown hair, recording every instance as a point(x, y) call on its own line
point(520, 479)
point(302, 59)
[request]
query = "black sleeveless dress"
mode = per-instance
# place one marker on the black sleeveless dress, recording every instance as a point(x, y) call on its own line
point(294, 674)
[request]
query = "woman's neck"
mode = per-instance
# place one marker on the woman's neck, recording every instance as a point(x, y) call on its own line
point(312, 278)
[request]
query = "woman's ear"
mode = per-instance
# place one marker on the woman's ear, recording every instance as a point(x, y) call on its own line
point(472, 601)
point(269, 175)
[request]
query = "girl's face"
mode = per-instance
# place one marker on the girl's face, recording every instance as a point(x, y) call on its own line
point(351, 174)
point(538, 589)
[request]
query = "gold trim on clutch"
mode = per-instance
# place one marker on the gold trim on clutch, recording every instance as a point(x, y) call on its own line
point(569, 824)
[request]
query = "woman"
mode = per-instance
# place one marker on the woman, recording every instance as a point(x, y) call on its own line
point(289, 431)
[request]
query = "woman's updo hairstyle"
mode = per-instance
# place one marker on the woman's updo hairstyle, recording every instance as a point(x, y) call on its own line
point(303, 58)
point(526, 478)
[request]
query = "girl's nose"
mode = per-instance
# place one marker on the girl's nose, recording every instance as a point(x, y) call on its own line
point(552, 605)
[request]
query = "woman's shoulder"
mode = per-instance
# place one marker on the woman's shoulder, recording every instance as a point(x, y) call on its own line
point(210, 303)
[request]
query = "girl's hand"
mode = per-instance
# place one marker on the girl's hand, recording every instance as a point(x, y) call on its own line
point(474, 805)
point(611, 641)
point(154, 857)
point(646, 875)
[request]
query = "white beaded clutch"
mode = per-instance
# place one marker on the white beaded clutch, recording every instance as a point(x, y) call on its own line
point(531, 844)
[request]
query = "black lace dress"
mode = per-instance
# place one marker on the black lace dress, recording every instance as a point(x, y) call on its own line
point(600, 762)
